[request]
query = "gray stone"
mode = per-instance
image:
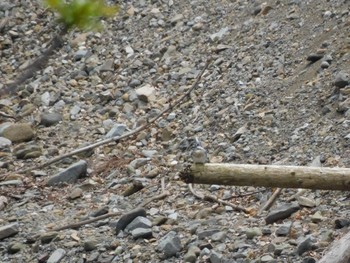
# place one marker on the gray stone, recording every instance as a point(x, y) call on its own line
point(139, 222)
point(107, 66)
point(283, 230)
point(141, 233)
point(15, 247)
point(127, 218)
point(137, 163)
point(50, 118)
point(21, 132)
point(69, 175)
point(149, 153)
point(90, 245)
point(266, 259)
point(117, 130)
point(8, 230)
point(342, 79)
point(146, 93)
point(219, 35)
point(11, 182)
point(56, 256)
point(281, 212)
point(305, 245)
point(216, 257)
point(81, 53)
point(253, 232)
point(192, 254)
point(170, 244)
point(47, 237)
point(4, 143)
point(206, 233)
point(27, 151)
point(220, 236)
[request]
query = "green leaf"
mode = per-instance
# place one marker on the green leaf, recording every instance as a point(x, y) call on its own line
point(84, 14)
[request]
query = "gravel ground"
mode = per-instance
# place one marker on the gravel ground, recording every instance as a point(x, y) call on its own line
point(275, 92)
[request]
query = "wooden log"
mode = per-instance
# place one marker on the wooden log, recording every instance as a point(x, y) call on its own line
point(339, 252)
point(268, 176)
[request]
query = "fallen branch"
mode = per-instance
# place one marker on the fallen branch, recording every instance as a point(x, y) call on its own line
point(125, 135)
point(268, 176)
point(339, 252)
point(271, 200)
point(213, 198)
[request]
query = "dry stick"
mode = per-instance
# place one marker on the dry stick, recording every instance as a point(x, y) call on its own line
point(128, 134)
point(271, 200)
point(213, 198)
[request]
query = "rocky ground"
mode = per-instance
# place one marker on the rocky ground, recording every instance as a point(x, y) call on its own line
point(278, 77)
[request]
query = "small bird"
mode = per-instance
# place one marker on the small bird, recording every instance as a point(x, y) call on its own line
point(199, 154)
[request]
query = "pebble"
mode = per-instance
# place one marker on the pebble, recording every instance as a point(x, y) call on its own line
point(170, 244)
point(50, 119)
point(56, 256)
point(341, 79)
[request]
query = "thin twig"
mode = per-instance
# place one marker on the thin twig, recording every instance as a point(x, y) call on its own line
point(126, 135)
point(271, 200)
point(213, 198)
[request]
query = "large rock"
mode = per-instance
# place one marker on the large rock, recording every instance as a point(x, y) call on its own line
point(69, 175)
point(21, 132)
point(8, 230)
point(170, 244)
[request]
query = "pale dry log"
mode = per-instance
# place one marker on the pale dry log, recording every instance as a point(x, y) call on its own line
point(339, 251)
point(268, 176)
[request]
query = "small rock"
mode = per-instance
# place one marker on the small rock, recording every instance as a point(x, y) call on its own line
point(127, 218)
point(308, 260)
point(8, 230)
point(317, 217)
point(192, 254)
point(177, 18)
point(107, 66)
point(281, 212)
point(216, 257)
point(56, 256)
point(207, 233)
point(342, 79)
point(50, 119)
point(117, 130)
point(18, 132)
point(141, 233)
point(267, 259)
point(5, 143)
point(170, 244)
point(253, 232)
point(139, 222)
point(27, 151)
point(90, 245)
point(75, 193)
point(220, 236)
point(283, 230)
point(305, 245)
point(219, 35)
point(69, 175)
point(146, 93)
point(307, 202)
point(47, 237)
point(342, 222)
point(314, 57)
point(15, 247)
